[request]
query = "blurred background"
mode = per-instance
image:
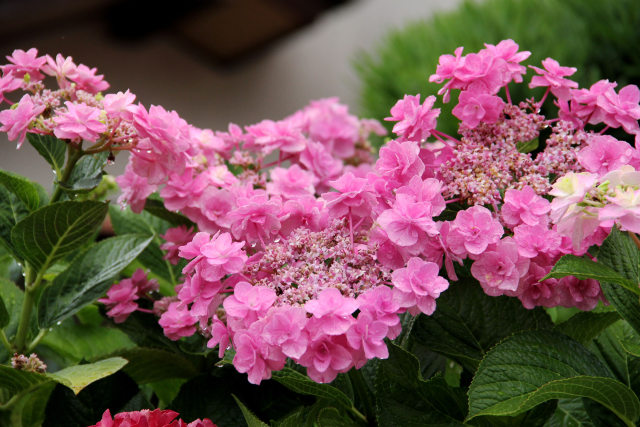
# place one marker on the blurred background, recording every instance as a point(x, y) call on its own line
point(241, 61)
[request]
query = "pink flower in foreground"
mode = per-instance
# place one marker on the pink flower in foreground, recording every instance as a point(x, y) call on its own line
point(62, 68)
point(604, 154)
point(120, 105)
point(399, 162)
point(368, 334)
point(86, 79)
point(331, 312)
point(418, 285)
point(135, 189)
point(25, 63)
point(175, 237)
point(524, 206)
point(255, 357)
point(326, 358)
point(353, 197)
point(148, 418)
point(282, 135)
point(500, 270)
point(291, 183)
point(79, 122)
point(248, 299)
point(285, 328)
point(16, 121)
point(623, 108)
point(475, 105)
point(415, 121)
point(408, 222)
point(177, 322)
point(553, 76)
point(473, 230)
point(8, 83)
point(214, 256)
point(121, 300)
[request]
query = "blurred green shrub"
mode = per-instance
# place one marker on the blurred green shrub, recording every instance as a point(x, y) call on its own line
point(599, 37)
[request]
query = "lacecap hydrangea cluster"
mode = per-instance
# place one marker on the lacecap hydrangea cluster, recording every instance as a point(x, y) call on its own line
point(308, 248)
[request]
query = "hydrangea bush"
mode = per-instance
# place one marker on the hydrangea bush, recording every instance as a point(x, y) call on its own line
point(442, 281)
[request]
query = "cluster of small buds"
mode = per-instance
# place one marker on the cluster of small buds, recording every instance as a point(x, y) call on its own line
point(29, 364)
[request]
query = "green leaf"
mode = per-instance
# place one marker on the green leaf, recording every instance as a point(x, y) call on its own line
point(533, 367)
point(249, 417)
point(12, 210)
point(79, 376)
point(156, 208)
point(467, 323)
point(29, 193)
point(16, 381)
point(585, 326)
point(87, 173)
point(404, 398)
point(619, 253)
point(628, 338)
point(302, 384)
point(88, 277)
point(5, 318)
point(570, 413)
point(51, 148)
point(584, 268)
point(148, 365)
point(527, 146)
point(56, 230)
point(30, 410)
point(125, 221)
point(77, 341)
point(12, 298)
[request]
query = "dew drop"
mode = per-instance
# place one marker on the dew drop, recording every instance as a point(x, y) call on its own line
point(254, 244)
point(276, 240)
point(58, 323)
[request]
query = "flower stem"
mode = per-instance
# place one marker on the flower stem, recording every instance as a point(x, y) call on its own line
point(363, 394)
point(5, 341)
point(73, 155)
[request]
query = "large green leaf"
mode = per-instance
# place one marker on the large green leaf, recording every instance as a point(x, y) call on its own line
point(585, 326)
point(467, 323)
point(570, 413)
point(29, 411)
point(51, 148)
point(56, 230)
point(12, 298)
point(12, 210)
point(584, 268)
point(88, 277)
point(533, 367)
point(87, 173)
point(156, 208)
point(404, 398)
point(619, 253)
point(79, 376)
point(300, 383)
point(5, 317)
point(77, 341)
point(125, 221)
point(15, 380)
point(29, 193)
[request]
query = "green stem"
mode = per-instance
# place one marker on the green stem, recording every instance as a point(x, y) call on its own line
point(37, 340)
point(359, 415)
point(28, 303)
point(363, 393)
point(73, 155)
point(5, 341)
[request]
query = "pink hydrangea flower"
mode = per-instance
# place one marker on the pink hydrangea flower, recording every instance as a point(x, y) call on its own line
point(121, 300)
point(399, 162)
point(325, 358)
point(352, 198)
point(415, 121)
point(604, 154)
point(331, 312)
point(532, 292)
point(25, 63)
point(248, 299)
point(149, 418)
point(176, 237)
point(475, 105)
point(499, 270)
point(553, 77)
point(213, 256)
point(473, 230)
point(524, 207)
point(408, 222)
point(306, 212)
point(8, 83)
point(79, 122)
point(16, 121)
point(535, 239)
point(255, 218)
point(135, 189)
point(624, 208)
point(62, 68)
point(177, 322)
point(255, 357)
point(418, 285)
point(368, 334)
point(285, 328)
point(291, 183)
point(329, 122)
point(120, 105)
point(282, 135)
point(86, 79)
point(319, 161)
point(623, 108)
point(508, 51)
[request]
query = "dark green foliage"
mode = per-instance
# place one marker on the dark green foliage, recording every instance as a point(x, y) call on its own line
point(598, 37)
